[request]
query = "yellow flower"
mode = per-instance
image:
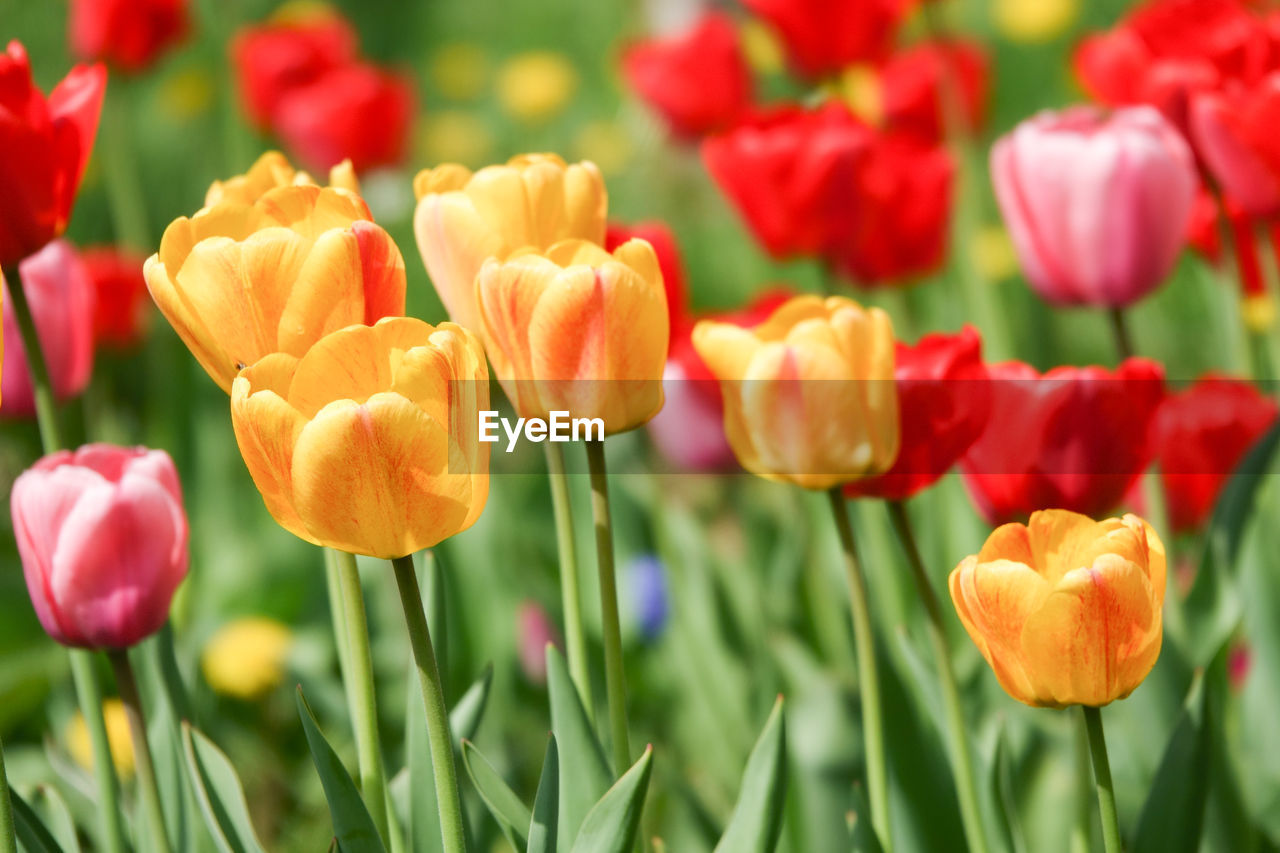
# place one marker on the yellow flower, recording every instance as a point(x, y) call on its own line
point(763, 50)
point(272, 170)
point(455, 135)
point(993, 253)
point(459, 71)
point(1034, 21)
point(369, 443)
point(240, 281)
point(809, 394)
point(1258, 311)
point(1065, 609)
point(536, 85)
point(119, 740)
point(465, 218)
point(246, 657)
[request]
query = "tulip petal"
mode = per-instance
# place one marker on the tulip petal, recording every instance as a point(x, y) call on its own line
point(455, 241)
point(994, 600)
point(267, 430)
point(350, 363)
point(327, 295)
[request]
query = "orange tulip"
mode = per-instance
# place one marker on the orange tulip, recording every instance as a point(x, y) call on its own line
point(577, 329)
point(369, 443)
point(240, 281)
point(463, 219)
point(1065, 609)
point(272, 170)
point(809, 394)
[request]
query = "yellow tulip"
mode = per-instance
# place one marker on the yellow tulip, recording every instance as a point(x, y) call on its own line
point(535, 86)
point(246, 658)
point(273, 170)
point(579, 330)
point(240, 281)
point(369, 443)
point(465, 218)
point(1065, 609)
point(809, 393)
point(119, 740)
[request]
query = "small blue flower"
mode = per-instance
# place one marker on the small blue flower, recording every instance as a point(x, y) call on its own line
point(646, 580)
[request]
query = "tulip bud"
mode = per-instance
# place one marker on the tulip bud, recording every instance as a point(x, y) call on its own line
point(1065, 609)
point(534, 632)
point(463, 219)
point(128, 34)
point(369, 442)
point(272, 169)
point(121, 306)
point(246, 658)
point(103, 538)
point(239, 282)
point(1097, 205)
point(1234, 131)
point(577, 329)
point(60, 294)
point(809, 394)
point(826, 36)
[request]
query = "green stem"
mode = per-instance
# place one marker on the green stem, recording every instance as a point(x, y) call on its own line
point(8, 841)
point(1102, 777)
point(1082, 827)
point(373, 782)
point(124, 189)
point(42, 386)
point(570, 591)
point(962, 756)
point(127, 685)
point(868, 681)
point(424, 656)
point(1120, 332)
point(614, 674)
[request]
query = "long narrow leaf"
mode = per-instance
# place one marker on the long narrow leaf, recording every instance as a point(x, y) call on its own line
point(354, 829)
point(504, 804)
point(584, 773)
point(614, 823)
point(546, 803)
point(756, 821)
point(220, 794)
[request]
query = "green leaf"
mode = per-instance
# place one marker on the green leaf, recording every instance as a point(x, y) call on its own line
point(352, 825)
point(546, 803)
point(48, 803)
point(756, 821)
point(464, 719)
point(220, 794)
point(584, 772)
point(1173, 815)
point(31, 831)
point(504, 804)
point(865, 839)
point(613, 824)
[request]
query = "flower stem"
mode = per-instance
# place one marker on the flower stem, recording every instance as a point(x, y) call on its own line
point(124, 189)
point(8, 841)
point(1102, 777)
point(962, 757)
point(42, 386)
point(570, 592)
point(127, 685)
point(1120, 331)
point(373, 782)
point(615, 678)
point(868, 681)
point(424, 656)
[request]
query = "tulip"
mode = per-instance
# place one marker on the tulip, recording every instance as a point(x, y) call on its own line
point(119, 741)
point(534, 632)
point(944, 400)
point(698, 80)
point(60, 293)
point(103, 540)
point(272, 170)
point(914, 85)
point(369, 442)
point(1234, 131)
point(1075, 438)
point(809, 397)
point(1200, 435)
point(44, 146)
point(241, 281)
point(536, 85)
point(246, 658)
point(463, 219)
point(825, 36)
point(578, 329)
point(289, 51)
point(1097, 205)
point(356, 111)
point(1065, 609)
point(659, 236)
point(120, 298)
point(128, 34)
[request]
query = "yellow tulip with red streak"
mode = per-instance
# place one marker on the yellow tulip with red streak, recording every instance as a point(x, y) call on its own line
point(272, 170)
point(809, 395)
point(1066, 610)
point(369, 442)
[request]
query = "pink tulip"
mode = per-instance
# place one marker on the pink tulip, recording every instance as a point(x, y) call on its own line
point(535, 630)
point(103, 540)
point(1097, 205)
point(689, 431)
point(60, 292)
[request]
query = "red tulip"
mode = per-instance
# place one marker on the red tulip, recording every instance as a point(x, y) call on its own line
point(825, 36)
point(128, 34)
point(357, 112)
point(121, 303)
point(659, 236)
point(60, 294)
point(44, 146)
point(944, 400)
point(1075, 438)
point(914, 87)
point(1201, 434)
point(1235, 132)
point(103, 539)
point(274, 58)
point(698, 81)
